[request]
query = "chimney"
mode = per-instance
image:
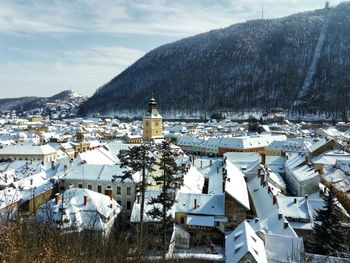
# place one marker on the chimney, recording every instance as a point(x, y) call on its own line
point(5, 179)
point(279, 215)
point(85, 200)
point(261, 180)
point(263, 158)
point(210, 162)
point(306, 196)
point(274, 200)
point(138, 197)
point(57, 198)
point(195, 203)
point(109, 192)
point(285, 224)
point(295, 200)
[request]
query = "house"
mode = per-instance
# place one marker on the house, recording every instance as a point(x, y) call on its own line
point(31, 186)
point(203, 212)
point(236, 196)
point(80, 209)
point(104, 179)
point(328, 159)
point(301, 177)
point(341, 183)
point(243, 245)
point(247, 162)
point(321, 146)
point(44, 153)
point(133, 139)
point(248, 143)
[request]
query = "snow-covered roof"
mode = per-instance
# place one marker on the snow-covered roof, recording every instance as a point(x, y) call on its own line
point(27, 149)
point(244, 240)
point(196, 220)
point(331, 157)
point(193, 181)
point(304, 173)
point(247, 142)
point(203, 204)
point(280, 248)
point(339, 179)
point(293, 207)
point(236, 185)
point(96, 172)
point(99, 155)
point(262, 199)
point(94, 215)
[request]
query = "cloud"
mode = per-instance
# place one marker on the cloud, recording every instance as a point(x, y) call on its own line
point(83, 70)
point(157, 17)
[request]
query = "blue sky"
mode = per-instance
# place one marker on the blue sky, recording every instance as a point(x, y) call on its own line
point(47, 46)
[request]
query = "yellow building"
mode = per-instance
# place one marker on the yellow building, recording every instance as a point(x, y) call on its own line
point(152, 123)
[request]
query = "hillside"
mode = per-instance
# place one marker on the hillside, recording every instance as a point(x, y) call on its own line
point(300, 63)
point(63, 104)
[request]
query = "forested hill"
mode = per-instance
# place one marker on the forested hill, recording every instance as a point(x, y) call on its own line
point(300, 62)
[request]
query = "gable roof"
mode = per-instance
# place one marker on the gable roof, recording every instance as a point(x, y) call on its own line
point(244, 240)
point(236, 186)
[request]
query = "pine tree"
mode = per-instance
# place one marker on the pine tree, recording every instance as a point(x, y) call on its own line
point(170, 179)
point(328, 233)
point(138, 159)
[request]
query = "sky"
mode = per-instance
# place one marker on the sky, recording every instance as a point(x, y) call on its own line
point(47, 46)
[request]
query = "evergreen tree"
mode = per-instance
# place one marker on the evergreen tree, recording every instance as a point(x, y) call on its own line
point(138, 159)
point(170, 178)
point(328, 233)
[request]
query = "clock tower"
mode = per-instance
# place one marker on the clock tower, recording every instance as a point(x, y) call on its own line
point(152, 123)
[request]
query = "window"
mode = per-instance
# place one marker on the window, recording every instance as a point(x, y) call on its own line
point(119, 202)
point(157, 124)
point(80, 186)
point(119, 190)
point(99, 188)
point(182, 220)
point(89, 186)
point(146, 123)
point(128, 190)
point(128, 205)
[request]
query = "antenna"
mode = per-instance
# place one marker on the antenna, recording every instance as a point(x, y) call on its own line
point(327, 5)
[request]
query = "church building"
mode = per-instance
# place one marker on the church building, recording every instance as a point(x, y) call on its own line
point(152, 123)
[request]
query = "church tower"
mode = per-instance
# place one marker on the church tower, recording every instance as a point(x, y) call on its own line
point(152, 122)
